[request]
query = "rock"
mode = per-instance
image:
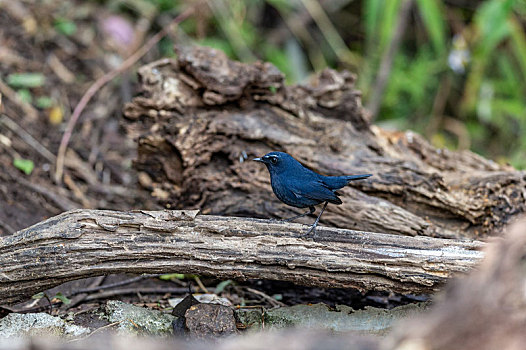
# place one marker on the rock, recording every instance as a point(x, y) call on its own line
point(205, 320)
point(183, 304)
point(208, 298)
point(179, 310)
point(319, 316)
point(138, 320)
point(39, 324)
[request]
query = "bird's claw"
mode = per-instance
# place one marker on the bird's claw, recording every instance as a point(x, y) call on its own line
point(310, 232)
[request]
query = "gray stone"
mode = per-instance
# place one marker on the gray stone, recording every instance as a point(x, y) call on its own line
point(203, 298)
point(38, 324)
point(138, 320)
point(319, 316)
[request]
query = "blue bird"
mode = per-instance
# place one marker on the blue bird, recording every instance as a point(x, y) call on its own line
point(300, 187)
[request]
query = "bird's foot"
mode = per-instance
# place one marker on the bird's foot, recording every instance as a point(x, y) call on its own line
point(310, 232)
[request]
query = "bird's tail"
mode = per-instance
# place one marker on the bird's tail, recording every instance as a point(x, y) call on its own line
point(337, 182)
point(357, 177)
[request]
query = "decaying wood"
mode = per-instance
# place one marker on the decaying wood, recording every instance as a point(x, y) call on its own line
point(201, 117)
point(484, 311)
point(83, 243)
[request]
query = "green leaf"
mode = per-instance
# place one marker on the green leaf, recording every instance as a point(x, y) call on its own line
point(26, 80)
point(221, 286)
point(38, 296)
point(277, 57)
point(371, 14)
point(62, 298)
point(25, 95)
point(25, 165)
point(493, 25)
point(433, 17)
point(389, 19)
point(492, 22)
point(518, 41)
point(172, 276)
point(65, 26)
point(44, 102)
point(510, 107)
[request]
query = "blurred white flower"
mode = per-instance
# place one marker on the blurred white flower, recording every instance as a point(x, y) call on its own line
point(459, 55)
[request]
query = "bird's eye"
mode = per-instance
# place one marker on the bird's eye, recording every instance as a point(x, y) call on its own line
point(273, 160)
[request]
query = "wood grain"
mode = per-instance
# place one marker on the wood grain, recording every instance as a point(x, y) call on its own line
point(84, 243)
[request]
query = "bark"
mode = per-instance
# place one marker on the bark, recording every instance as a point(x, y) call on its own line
point(201, 117)
point(84, 243)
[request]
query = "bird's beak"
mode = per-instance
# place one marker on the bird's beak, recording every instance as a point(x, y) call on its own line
point(259, 160)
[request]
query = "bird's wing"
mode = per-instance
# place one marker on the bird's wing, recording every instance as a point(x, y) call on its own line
point(315, 190)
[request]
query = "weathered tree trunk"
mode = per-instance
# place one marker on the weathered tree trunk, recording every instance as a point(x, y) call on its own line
point(84, 243)
point(202, 116)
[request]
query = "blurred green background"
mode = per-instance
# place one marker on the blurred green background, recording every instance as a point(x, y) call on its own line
point(454, 71)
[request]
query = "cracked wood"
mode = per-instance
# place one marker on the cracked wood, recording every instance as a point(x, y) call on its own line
point(84, 243)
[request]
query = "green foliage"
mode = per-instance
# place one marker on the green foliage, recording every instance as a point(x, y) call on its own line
point(25, 165)
point(166, 47)
point(62, 298)
point(222, 285)
point(433, 17)
point(455, 65)
point(409, 94)
point(489, 102)
point(279, 58)
point(44, 102)
point(371, 15)
point(38, 296)
point(177, 276)
point(65, 300)
point(172, 276)
point(491, 20)
point(166, 5)
point(388, 15)
point(26, 80)
point(65, 26)
point(25, 95)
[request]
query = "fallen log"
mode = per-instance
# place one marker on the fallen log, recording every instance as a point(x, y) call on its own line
point(200, 117)
point(84, 243)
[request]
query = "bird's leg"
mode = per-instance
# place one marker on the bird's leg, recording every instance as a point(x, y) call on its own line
point(311, 210)
point(313, 227)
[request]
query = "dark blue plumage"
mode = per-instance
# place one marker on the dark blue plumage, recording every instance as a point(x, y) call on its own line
point(300, 187)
